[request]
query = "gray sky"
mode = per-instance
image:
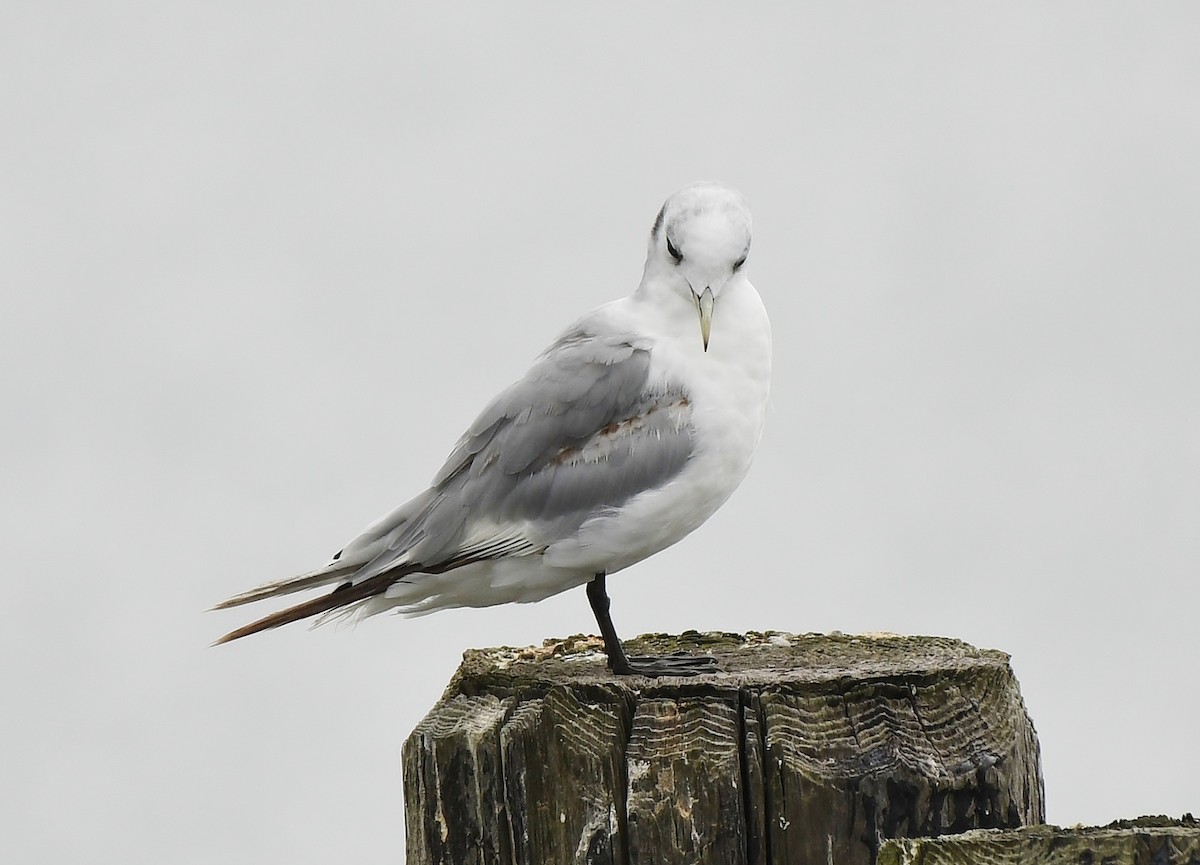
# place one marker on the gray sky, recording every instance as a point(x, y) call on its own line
point(262, 263)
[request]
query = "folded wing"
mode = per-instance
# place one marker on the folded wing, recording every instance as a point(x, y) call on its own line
point(583, 432)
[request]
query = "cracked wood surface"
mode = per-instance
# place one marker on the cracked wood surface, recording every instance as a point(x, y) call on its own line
point(805, 748)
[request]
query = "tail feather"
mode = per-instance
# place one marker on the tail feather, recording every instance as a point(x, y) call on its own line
point(329, 574)
point(342, 596)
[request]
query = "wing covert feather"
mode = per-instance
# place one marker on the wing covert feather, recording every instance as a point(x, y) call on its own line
point(581, 433)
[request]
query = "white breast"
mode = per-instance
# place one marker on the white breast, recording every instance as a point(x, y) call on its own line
point(727, 387)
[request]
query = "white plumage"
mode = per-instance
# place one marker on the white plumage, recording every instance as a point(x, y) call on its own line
point(625, 436)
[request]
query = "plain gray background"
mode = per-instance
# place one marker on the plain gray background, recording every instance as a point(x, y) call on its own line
point(263, 262)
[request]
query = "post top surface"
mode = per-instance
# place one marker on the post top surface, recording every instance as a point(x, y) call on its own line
point(754, 659)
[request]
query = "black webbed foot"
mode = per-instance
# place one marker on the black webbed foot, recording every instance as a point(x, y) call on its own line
point(674, 664)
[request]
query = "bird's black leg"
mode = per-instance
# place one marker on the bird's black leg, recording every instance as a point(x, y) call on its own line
point(675, 664)
point(598, 598)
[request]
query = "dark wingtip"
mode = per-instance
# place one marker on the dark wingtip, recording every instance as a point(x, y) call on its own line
point(345, 594)
point(246, 631)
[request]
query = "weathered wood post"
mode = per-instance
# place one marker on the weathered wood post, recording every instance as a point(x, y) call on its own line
point(1144, 841)
point(804, 749)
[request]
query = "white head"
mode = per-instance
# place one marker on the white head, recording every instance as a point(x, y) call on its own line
point(698, 245)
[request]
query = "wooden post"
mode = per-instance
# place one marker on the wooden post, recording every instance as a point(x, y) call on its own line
point(1144, 841)
point(804, 749)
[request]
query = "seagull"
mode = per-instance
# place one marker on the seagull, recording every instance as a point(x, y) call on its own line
point(625, 435)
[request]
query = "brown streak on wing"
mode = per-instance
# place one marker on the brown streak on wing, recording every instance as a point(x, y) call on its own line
point(571, 452)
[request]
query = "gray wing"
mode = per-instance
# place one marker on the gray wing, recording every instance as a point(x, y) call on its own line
point(581, 433)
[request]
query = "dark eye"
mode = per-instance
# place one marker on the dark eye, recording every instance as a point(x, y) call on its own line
point(737, 264)
point(675, 253)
